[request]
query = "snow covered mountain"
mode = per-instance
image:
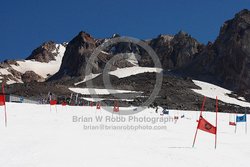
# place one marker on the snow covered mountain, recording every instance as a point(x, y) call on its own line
point(224, 63)
point(44, 62)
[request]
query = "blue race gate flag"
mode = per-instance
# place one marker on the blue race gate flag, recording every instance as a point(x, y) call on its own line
point(165, 111)
point(242, 118)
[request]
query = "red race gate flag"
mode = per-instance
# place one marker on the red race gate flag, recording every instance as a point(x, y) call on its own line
point(204, 125)
point(98, 106)
point(116, 107)
point(53, 102)
point(232, 123)
point(64, 103)
point(2, 100)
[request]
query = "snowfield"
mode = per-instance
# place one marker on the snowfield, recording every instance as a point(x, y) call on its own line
point(101, 99)
point(129, 71)
point(87, 78)
point(212, 91)
point(89, 91)
point(124, 72)
point(36, 137)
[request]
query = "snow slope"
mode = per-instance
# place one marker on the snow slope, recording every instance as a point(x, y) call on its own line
point(36, 137)
point(124, 72)
point(129, 71)
point(132, 58)
point(87, 78)
point(101, 99)
point(89, 91)
point(212, 91)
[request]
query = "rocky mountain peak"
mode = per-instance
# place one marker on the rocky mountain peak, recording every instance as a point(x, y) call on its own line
point(227, 60)
point(182, 34)
point(175, 51)
point(43, 53)
point(232, 47)
point(76, 55)
point(78, 52)
point(163, 39)
point(115, 35)
point(244, 14)
point(237, 27)
point(83, 40)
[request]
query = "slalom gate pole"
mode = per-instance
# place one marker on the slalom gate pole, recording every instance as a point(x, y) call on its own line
point(195, 135)
point(235, 123)
point(246, 127)
point(5, 112)
point(5, 115)
point(216, 123)
point(202, 108)
point(246, 121)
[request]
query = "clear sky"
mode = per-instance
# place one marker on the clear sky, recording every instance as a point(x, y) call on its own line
point(25, 24)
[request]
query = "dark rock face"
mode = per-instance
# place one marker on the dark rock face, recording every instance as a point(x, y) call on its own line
point(227, 60)
point(233, 52)
point(162, 47)
point(112, 62)
point(31, 76)
point(9, 62)
point(77, 55)
point(44, 53)
point(175, 51)
point(185, 48)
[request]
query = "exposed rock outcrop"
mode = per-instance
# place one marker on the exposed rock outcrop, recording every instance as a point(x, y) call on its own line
point(176, 51)
point(77, 56)
point(227, 60)
point(31, 76)
point(44, 53)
